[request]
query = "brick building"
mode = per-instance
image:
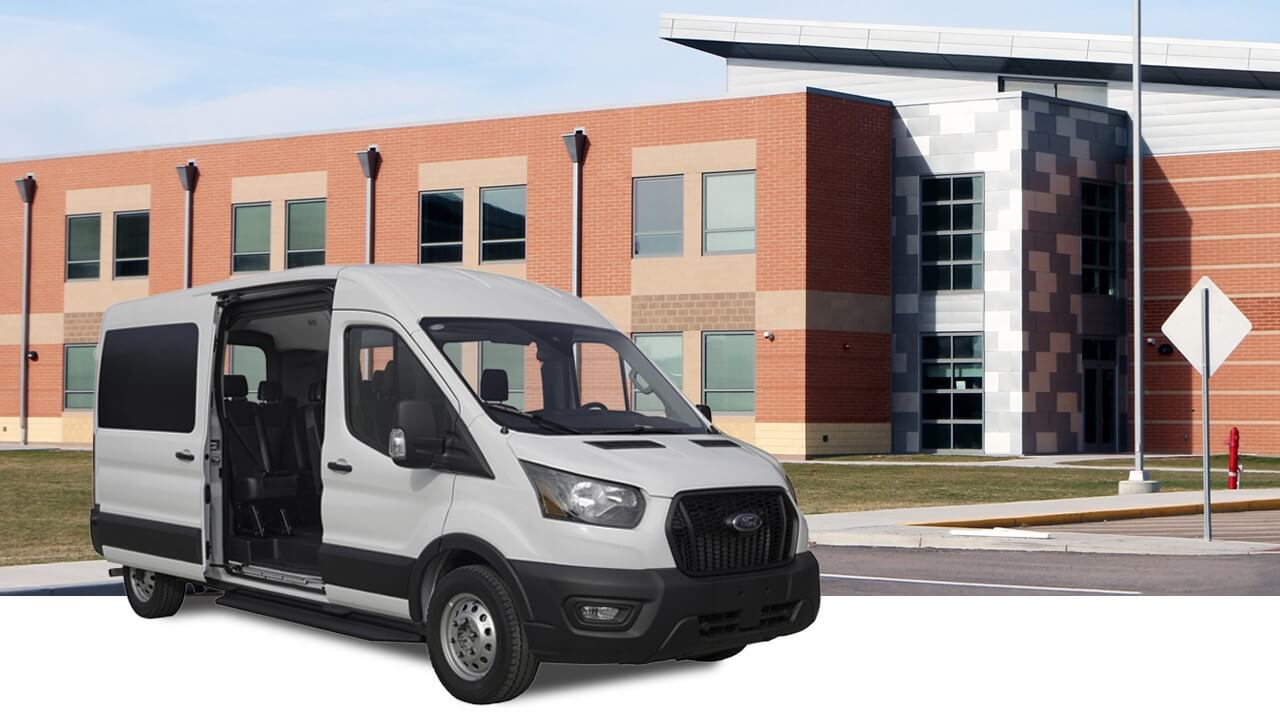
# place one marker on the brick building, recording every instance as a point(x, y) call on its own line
point(884, 239)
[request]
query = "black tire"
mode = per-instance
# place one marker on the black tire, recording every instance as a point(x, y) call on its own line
point(718, 655)
point(153, 595)
point(512, 666)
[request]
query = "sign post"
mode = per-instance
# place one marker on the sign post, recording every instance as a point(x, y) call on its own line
point(1188, 328)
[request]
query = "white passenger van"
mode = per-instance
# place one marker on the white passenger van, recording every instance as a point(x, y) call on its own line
point(409, 453)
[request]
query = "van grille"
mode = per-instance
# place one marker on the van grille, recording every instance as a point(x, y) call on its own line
point(719, 624)
point(704, 543)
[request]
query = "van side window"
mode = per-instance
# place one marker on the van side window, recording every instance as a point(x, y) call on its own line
point(380, 372)
point(249, 361)
point(148, 378)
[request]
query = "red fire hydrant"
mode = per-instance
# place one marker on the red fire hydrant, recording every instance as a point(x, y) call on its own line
point(1233, 459)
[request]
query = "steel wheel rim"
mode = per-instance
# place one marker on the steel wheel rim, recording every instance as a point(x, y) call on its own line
point(468, 637)
point(143, 584)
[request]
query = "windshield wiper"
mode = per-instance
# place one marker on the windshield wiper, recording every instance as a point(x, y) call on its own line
point(536, 419)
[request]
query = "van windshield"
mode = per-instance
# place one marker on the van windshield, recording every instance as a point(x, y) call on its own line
point(556, 378)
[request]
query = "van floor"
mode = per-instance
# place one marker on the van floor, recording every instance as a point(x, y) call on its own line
point(297, 553)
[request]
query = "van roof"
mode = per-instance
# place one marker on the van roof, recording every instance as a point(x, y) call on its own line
point(425, 291)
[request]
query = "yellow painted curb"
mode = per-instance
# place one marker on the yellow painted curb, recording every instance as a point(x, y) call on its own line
point(1108, 514)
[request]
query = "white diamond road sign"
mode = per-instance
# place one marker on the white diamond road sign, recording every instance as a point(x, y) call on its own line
point(1227, 326)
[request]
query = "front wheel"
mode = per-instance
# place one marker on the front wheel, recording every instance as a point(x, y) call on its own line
point(477, 643)
point(153, 595)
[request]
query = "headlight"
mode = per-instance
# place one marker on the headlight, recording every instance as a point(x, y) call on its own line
point(592, 501)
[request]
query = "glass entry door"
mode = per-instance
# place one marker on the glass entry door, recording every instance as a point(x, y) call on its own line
point(1099, 395)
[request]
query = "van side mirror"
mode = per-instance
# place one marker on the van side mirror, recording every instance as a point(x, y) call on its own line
point(706, 411)
point(415, 440)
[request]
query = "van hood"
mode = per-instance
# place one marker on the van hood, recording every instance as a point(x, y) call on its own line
point(660, 464)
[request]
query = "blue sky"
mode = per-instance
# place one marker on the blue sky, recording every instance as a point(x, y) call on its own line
point(84, 76)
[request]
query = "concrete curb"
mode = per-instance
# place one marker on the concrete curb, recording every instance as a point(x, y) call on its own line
point(114, 587)
point(913, 537)
point(1108, 515)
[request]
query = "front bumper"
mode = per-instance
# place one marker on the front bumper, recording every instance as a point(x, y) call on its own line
point(678, 616)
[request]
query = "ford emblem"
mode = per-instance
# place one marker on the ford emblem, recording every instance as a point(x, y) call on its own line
point(745, 522)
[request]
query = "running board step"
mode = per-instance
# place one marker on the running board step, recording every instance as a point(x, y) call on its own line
point(370, 628)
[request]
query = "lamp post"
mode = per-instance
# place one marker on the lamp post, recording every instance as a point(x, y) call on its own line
point(1139, 480)
point(27, 192)
point(370, 161)
point(575, 143)
point(188, 175)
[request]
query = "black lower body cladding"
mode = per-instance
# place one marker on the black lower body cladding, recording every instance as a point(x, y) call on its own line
point(678, 616)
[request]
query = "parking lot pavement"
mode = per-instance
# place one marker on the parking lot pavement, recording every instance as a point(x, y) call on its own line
point(869, 571)
point(1259, 526)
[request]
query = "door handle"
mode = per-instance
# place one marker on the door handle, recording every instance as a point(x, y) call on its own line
point(185, 455)
point(340, 466)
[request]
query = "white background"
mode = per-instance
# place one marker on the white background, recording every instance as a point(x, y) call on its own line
point(864, 655)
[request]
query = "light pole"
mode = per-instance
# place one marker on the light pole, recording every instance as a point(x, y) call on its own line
point(188, 175)
point(575, 143)
point(1139, 480)
point(370, 160)
point(27, 192)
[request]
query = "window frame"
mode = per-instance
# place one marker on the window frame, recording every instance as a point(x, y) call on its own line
point(115, 245)
point(754, 214)
point(635, 234)
point(1112, 243)
point(979, 204)
point(66, 391)
point(952, 391)
point(66, 263)
point(289, 252)
point(524, 240)
point(460, 243)
point(235, 228)
point(703, 387)
point(1055, 81)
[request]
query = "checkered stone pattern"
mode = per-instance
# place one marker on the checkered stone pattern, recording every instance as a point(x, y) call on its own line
point(946, 138)
point(1065, 142)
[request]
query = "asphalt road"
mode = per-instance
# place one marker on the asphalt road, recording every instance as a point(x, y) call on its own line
point(864, 571)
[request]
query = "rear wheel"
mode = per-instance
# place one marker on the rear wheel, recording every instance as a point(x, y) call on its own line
point(153, 595)
point(476, 639)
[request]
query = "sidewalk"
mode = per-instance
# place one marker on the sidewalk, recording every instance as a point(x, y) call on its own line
point(73, 578)
point(1046, 461)
point(931, 527)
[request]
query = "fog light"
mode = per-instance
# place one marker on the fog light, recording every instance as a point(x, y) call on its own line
point(599, 614)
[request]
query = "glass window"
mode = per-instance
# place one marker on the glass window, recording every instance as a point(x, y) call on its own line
point(729, 371)
point(666, 350)
point(950, 392)
point(562, 378)
point(249, 361)
point(78, 370)
point(951, 233)
point(149, 378)
point(440, 227)
point(84, 233)
point(304, 234)
point(657, 209)
point(251, 238)
point(133, 239)
point(1090, 92)
point(381, 371)
point(729, 212)
point(502, 223)
point(1098, 244)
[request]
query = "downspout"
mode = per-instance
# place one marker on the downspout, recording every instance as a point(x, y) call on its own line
point(576, 144)
point(370, 160)
point(27, 191)
point(188, 174)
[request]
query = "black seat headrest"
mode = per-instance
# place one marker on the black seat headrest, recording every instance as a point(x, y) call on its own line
point(235, 387)
point(493, 385)
point(315, 392)
point(269, 391)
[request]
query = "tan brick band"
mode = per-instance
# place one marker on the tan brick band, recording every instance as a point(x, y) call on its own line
point(81, 327)
point(693, 311)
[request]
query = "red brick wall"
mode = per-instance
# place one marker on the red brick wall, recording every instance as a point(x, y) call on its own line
point(1206, 214)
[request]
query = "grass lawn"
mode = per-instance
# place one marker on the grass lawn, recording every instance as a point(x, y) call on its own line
point(45, 497)
point(838, 487)
point(1217, 461)
point(913, 458)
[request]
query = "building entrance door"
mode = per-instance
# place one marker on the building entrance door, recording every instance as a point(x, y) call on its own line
point(1099, 395)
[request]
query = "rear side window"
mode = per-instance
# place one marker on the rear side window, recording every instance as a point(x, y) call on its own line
point(148, 378)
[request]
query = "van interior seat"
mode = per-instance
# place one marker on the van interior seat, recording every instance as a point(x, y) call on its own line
point(254, 478)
